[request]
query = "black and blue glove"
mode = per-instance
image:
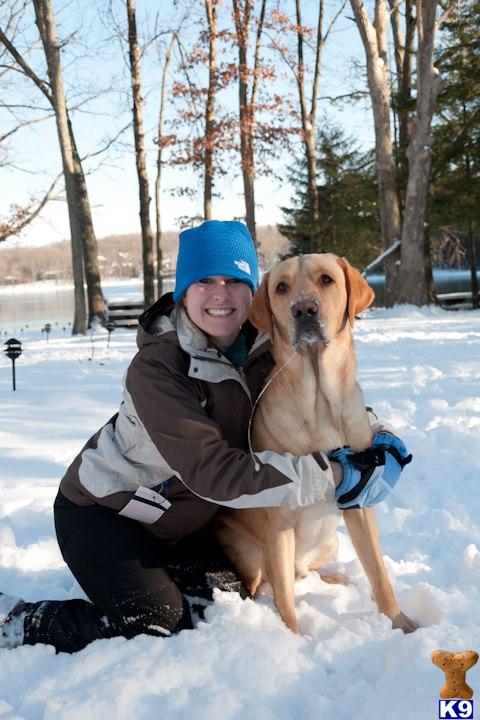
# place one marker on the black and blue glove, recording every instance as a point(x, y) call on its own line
point(371, 475)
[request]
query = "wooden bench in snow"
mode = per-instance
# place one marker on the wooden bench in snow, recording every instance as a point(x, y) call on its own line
point(124, 312)
point(452, 299)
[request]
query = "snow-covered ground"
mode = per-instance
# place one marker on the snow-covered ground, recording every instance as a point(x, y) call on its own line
point(420, 369)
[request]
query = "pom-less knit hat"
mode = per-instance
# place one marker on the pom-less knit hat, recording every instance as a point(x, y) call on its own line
point(216, 247)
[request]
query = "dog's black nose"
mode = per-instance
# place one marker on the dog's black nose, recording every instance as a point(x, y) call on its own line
point(304, 308)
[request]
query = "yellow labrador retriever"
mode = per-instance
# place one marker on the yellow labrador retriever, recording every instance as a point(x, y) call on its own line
point(307, 304)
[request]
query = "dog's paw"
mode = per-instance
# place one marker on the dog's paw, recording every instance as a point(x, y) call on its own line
point(335, 579)
point(404, 623)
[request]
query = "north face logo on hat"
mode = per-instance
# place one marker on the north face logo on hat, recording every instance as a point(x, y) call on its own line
point(243, 265)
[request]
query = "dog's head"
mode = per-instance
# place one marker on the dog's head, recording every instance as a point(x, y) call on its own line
point(309, 299)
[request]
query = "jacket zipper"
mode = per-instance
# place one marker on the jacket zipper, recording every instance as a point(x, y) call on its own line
point(239, 368)
point(241, 372)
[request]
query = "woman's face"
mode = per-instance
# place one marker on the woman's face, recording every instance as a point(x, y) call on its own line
point(219, 306)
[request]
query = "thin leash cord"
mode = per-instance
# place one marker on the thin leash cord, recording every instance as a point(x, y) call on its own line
point(257, 465)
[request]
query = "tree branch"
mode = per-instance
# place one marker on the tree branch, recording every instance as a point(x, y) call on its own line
point(261, 19)
point(24, 124)
point(333, 21)
point(43, 87)
point(318, 63)
point(26, 215)
point(446, 13)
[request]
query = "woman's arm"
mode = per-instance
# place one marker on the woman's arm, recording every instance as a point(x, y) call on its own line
point(192, 445)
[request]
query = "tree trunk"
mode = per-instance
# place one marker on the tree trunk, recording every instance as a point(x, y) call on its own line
point(472, 253)
point(96, 301)
point(242, 26)
point(147, 236)
point(210, 108)
point(158, 179)
point(374, 41)
point(313, 208)
point(46, 25)
point(404, 52)
point(309, 117)
point(427, 263)
point(412, 280)
point(79, 199)
point(472, 250)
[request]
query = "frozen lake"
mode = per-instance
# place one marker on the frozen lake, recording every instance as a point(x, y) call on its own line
point(35, 304)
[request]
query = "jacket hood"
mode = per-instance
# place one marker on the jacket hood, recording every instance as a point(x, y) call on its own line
point(155, 321)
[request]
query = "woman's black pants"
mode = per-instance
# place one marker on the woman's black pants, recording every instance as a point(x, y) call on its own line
point(136, 583)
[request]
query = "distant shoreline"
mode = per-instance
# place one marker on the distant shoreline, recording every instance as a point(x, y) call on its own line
point(44, 286)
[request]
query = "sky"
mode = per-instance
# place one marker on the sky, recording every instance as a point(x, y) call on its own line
point(93, 59)
point(419, 370)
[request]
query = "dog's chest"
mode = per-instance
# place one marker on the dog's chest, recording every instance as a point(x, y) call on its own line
point(315, 533)
point(297, 426)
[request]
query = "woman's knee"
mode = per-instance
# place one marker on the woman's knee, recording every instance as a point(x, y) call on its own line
point(151, 613)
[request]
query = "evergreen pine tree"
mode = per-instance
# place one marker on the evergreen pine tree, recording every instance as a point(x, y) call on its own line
point(347, 197)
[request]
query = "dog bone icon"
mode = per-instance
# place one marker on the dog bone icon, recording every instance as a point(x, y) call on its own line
point(455, 666)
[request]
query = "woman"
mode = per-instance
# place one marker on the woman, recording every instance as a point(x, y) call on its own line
point(133, 510)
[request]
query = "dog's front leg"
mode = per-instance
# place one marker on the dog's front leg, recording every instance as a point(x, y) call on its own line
point(363, 530)
point(279, 551)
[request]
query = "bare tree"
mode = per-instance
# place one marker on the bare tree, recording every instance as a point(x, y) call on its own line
point(46, 26)
point(308, 110)
point(144, 195)
point(402, 106)
point(84, 243)
point(311, 40)
point(403, 42)
point(211, 11)
point(205, 133)
point(309, 114)
point(413, 286)
point(412, 282)
point(374, 38)
point(247, 98)
point(162, 141)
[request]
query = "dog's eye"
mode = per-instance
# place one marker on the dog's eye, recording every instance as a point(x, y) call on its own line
point(282, 288)
point(326, 280)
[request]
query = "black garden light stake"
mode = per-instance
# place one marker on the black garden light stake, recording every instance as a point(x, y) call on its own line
point(93, 344)
point(13, 351)
point(93, 329)
point(110, 326)
point(48, 329)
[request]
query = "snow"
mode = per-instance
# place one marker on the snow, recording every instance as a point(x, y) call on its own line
point(420, 370)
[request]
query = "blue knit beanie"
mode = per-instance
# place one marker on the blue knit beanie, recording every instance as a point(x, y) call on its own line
point(216, 247)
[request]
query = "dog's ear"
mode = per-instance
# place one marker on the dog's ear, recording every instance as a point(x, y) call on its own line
point(359, 293)
point(261, 312)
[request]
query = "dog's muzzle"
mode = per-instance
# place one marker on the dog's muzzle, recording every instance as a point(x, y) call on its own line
point(308, 327)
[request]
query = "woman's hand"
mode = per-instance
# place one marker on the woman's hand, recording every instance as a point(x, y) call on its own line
point(371, 475)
